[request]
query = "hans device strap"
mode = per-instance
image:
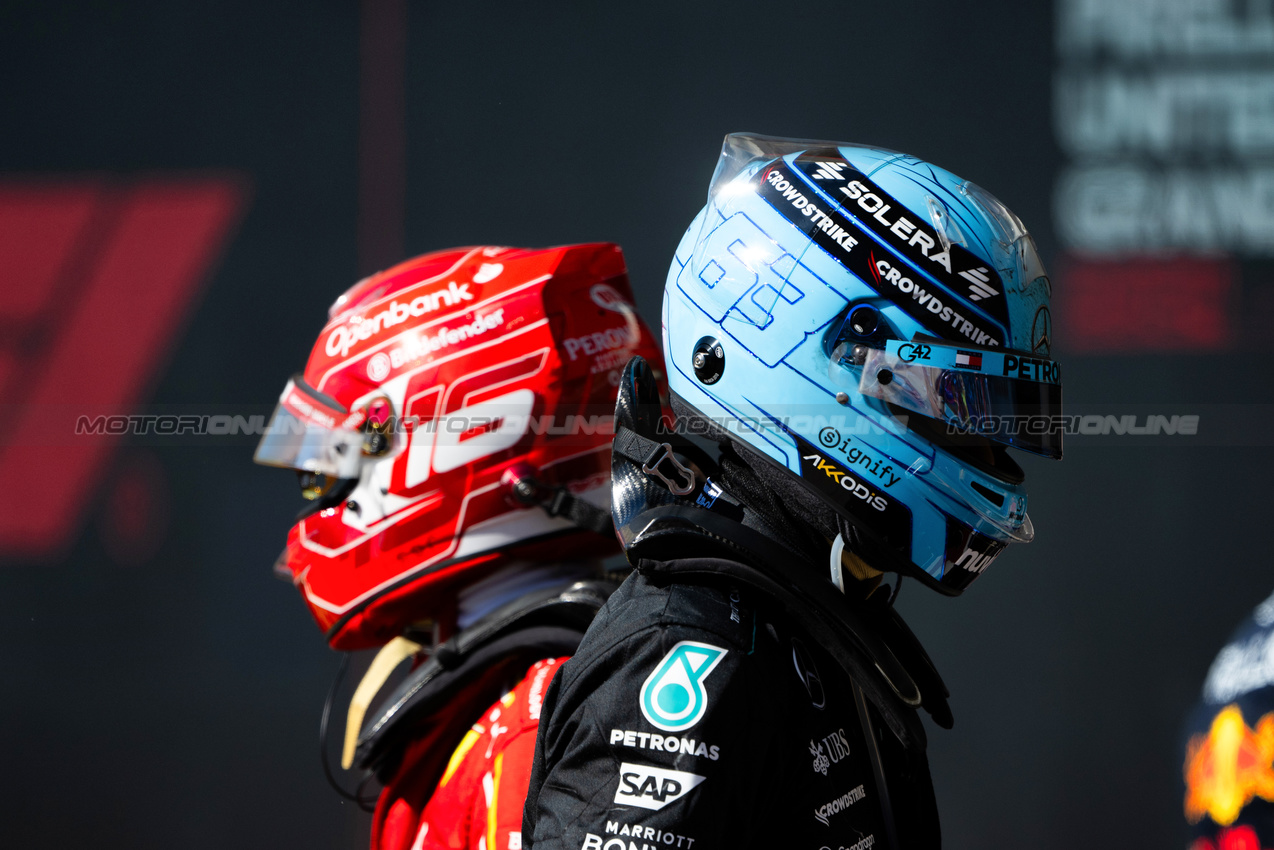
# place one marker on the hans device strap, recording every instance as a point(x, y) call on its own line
point(655, 459)
point(558, 502)
point(440, 698)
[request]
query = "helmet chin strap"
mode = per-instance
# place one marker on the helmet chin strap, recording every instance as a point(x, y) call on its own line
point(834, 561)
point(859, 570)
point(383, 665)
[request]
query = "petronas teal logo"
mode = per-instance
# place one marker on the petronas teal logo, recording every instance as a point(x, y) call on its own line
point(673, 697)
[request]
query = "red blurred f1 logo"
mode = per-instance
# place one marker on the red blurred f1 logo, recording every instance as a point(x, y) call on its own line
point(98, 277)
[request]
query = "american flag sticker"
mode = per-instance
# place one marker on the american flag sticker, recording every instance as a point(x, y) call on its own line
point(969, 359)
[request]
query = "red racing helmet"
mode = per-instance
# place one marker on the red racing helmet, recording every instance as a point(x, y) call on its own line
point(454, 421)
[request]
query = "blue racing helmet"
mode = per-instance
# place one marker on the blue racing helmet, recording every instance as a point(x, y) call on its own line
point(878, 328)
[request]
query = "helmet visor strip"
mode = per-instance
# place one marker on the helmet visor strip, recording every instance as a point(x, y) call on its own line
point(1010, 397)
point(311, 434)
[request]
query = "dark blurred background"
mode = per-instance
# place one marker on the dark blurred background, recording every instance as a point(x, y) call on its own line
point(185, 188)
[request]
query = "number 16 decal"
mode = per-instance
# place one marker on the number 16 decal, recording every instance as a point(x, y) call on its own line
point(476, 416)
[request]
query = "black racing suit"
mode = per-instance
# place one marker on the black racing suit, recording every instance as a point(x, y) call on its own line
point(777, 750)
point(727, 694)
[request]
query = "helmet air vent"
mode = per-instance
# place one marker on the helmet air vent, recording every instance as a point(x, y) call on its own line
point(992, 496)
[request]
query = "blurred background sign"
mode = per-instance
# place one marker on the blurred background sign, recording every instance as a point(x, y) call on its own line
point(1165, 112)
